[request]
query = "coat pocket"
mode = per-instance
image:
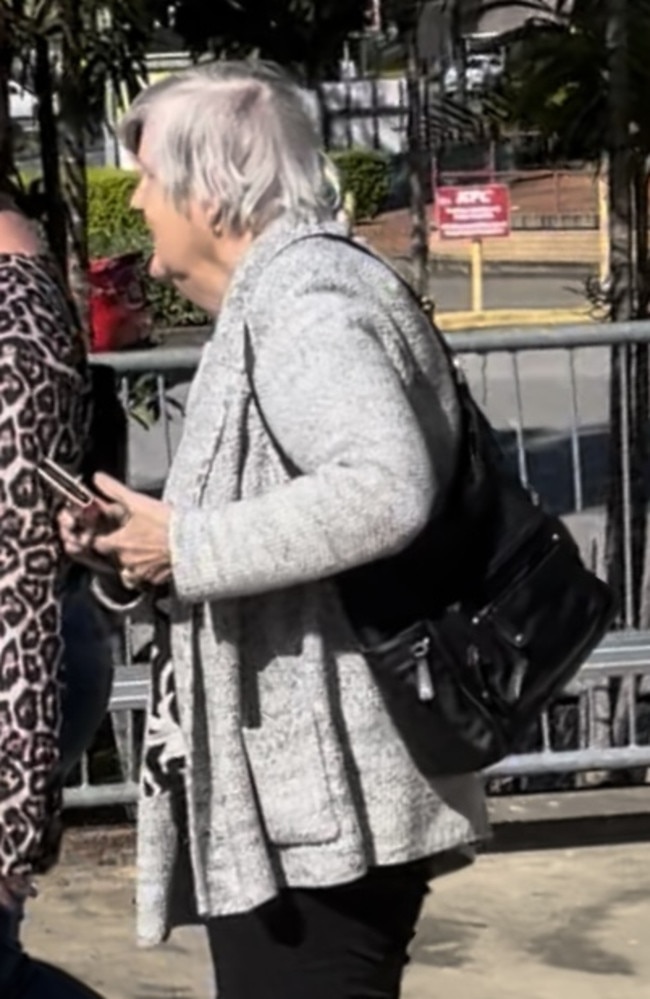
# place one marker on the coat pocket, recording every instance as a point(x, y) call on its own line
point(286, 760)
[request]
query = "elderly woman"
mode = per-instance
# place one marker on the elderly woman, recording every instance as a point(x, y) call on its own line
point(281, 806)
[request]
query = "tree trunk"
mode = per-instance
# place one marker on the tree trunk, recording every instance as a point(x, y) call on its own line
point(639, 415)
point(73, 120)
point(621, 559)
point(55, 223)
point(5, 119)
point(641, 166)
point(456, 21)
point(627, 504)
point(324, 116)
point(640, 411)
point(419, 217)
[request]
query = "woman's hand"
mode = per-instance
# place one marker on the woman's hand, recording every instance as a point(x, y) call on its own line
point(78, 536)
point(140, 545)
point(14, 891)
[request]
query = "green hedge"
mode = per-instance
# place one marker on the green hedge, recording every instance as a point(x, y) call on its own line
point(114, 227)
point(365, 175)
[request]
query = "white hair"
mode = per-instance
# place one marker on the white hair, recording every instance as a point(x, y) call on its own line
point(236, 135)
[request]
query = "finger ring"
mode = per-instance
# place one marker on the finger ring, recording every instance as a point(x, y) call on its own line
point(128, 580)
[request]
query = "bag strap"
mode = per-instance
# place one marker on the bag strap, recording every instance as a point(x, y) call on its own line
point(423, 303)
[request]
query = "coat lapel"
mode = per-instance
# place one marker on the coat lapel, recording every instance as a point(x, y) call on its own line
point(220, 388)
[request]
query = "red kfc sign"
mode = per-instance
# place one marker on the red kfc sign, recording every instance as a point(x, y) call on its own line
point(473, 212)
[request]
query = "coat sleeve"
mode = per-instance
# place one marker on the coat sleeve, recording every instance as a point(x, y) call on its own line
point(338, 410)
point(30, 641)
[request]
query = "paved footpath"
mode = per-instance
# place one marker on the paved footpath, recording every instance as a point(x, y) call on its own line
point(556, 924)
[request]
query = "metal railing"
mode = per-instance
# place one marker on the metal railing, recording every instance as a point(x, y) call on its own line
point(546, 393)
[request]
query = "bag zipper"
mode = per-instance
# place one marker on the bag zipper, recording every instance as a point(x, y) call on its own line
point(546, 545)
point(424, 680)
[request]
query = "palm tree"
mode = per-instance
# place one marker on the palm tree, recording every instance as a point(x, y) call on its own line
point(72, 48)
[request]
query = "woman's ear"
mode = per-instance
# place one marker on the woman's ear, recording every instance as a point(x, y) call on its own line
point(216, 221)
point(207, 216)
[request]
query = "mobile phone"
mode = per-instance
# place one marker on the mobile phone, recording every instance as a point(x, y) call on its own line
point(86, 504)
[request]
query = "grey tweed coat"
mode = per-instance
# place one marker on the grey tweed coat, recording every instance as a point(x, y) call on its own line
point(295, 774)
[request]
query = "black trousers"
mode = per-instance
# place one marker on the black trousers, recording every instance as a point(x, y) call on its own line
point(346, 942)
point(23, 978)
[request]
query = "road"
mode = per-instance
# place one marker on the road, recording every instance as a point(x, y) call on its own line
point(452, 291)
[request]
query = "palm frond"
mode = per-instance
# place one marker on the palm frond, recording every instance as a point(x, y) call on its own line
point(558, 77)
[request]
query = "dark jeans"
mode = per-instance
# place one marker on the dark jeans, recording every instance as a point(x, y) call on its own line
point(88, 673)
point(23, 978)
point(346, 942)
point(88, 678)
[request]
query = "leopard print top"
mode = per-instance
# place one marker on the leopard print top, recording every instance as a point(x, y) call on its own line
point(43, 412)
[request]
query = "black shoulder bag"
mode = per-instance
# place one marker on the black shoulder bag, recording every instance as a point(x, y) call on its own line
point(483, 618)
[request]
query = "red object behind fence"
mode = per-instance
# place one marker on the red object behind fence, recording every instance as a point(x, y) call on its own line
point(119, 314)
